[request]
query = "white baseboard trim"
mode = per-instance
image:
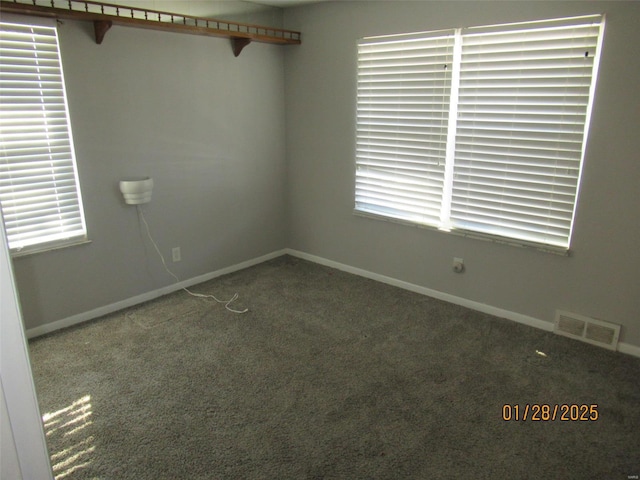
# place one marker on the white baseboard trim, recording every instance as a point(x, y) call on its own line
point(145, 297)
point(480, 307)
point(629, 349)
point(625, 348)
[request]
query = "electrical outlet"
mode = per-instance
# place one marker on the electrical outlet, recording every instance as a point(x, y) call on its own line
point(175, 254)
point(458, 265)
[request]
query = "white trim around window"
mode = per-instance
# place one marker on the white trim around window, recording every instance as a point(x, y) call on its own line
point(39, 188)
point(478, 131)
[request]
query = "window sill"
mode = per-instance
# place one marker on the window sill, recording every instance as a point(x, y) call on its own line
point(43, 248)
point(564, 252)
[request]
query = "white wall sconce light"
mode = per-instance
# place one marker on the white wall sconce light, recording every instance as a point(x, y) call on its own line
point(136, 190)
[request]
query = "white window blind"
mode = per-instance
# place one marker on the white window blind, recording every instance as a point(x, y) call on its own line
point(39, 190)
point(404, 84)
point(518, 110)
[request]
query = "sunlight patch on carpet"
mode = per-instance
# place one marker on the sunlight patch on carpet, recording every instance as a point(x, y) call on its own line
point(70, 426)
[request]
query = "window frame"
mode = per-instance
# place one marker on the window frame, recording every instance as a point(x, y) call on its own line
point(444, 223)
point(78, 233)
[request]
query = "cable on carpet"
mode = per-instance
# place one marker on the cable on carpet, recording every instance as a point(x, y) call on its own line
point(195, 294)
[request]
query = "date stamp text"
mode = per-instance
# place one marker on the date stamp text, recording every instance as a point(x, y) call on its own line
point(541, 412)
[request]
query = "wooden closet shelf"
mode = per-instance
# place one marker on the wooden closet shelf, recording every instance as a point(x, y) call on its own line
point(104, 15)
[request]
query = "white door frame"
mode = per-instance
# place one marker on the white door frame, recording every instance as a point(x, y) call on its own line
point(23, 449)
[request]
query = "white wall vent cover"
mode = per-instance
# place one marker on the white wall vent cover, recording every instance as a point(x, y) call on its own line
point(590, 330)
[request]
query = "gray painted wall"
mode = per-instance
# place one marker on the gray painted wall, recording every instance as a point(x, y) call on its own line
point(208, 127)
point(599, 280)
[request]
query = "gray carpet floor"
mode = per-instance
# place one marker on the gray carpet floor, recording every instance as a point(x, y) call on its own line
point(328, 376)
